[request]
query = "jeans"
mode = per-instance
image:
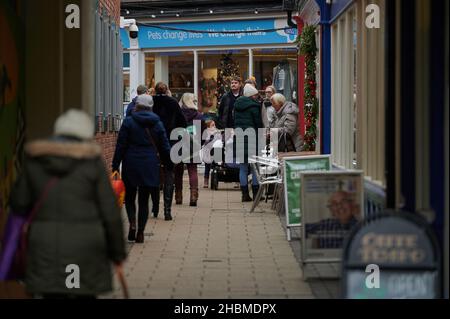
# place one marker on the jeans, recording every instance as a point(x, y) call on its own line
point(207, 170)
point(243, 175)
point(193, 176)
point(143, 197)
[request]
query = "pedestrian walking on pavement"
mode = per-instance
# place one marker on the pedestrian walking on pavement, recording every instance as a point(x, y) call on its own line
point(141, 145)
point(286, 123)
point(226, 107)
point(212, 134)
point(78, 222)
point(268, 109)
point(169, 111)
point(189, 108)
point(247, 114)
point(141, 89)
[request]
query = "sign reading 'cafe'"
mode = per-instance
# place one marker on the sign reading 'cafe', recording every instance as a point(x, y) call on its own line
point(394, 255)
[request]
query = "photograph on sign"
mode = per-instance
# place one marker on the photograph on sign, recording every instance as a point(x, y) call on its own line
point(332, 204)
point(293, 166)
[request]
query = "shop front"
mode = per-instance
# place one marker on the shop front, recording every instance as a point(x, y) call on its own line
point(201, 57)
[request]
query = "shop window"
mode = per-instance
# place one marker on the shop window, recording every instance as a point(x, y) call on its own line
point(174, 68)
point(150, 70)
point(181, 73)
point(343, 91)
point(215, 71)
point(126, 87)
point(358, 95)
point(276, 67)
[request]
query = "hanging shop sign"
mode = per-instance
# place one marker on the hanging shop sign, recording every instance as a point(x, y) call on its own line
point(391, 256)
point(178, 35)
point(332, 204)
point(293, 166)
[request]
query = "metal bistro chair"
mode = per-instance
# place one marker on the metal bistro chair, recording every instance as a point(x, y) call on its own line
point(260, 164)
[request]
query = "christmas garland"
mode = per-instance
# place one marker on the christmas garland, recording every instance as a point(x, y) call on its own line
point(307, 47)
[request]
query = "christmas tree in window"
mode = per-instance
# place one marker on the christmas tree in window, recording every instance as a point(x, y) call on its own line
point(228, 69)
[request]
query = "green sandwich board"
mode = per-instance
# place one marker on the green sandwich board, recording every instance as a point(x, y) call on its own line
point(292, 168)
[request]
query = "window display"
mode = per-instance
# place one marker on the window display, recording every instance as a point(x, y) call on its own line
point(277, 67)
point(215, 71)
point(175, 68)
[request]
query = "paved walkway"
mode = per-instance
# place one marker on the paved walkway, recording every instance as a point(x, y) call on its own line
point(216, 250)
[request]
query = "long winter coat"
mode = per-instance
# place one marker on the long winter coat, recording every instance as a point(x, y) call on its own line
point(134, 149)
point(247, 114)
point(168, 109)
point(287, 122)
point(79, 222)
point(226, 110)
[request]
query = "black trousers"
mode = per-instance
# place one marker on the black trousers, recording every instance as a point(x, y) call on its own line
point(143, 194)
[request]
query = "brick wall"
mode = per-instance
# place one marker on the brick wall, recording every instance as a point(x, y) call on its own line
point(108, 142)
point(112, 7)
point(108, 139)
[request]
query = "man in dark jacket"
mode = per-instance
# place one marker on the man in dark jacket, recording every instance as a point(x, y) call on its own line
point(79, 222)
point(142, 89)
point(226, 107)
point(169, 111)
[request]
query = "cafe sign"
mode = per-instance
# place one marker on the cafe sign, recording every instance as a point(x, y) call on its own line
point(392, 256)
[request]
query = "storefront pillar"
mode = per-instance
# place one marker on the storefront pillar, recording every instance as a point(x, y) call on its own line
point(196, 74)
point(250, 63)
point(137, 71)
point(162, 69)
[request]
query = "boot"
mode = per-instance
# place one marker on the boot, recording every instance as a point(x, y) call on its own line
point(168, 195)
point(178, 196)
point(245, 195)
point(140, 237)
point(206, 182)
point(132, 230)
point(255, 190)
point(194, 198)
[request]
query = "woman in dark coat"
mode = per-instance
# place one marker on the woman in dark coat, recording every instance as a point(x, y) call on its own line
point(141, 138)
point(247, 114)
point(79, 222)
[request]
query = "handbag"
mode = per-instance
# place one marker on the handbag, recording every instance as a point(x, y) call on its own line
point(119, 188)
point(15, 239)
point(285, 143)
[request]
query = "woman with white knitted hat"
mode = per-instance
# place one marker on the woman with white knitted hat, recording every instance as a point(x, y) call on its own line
point(78, 222)
point(247, 115)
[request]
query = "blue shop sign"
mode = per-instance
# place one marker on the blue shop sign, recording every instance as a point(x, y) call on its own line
point(151, 37)
point(124, 37)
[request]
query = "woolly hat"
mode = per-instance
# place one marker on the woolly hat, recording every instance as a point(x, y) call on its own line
point(145, 100)
point(249, 90)
point(188, 100)
point(75, 123)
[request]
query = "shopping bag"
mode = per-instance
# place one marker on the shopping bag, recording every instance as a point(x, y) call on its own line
point(10, 244)
point(15, 239)
point(118, 187)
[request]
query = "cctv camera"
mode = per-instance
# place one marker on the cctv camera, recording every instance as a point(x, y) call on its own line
point(134, 31)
